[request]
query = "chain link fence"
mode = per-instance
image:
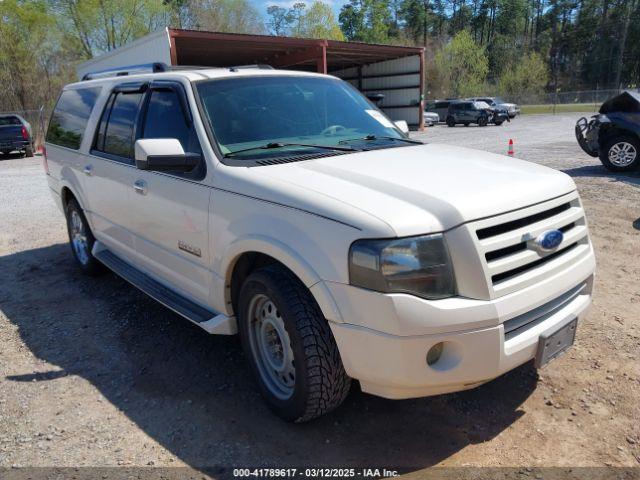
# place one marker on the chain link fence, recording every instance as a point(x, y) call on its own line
point(576, 101)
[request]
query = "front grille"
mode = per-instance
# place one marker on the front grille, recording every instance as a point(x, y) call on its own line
point(520, 324)
point(521, 222)
point(506, 242)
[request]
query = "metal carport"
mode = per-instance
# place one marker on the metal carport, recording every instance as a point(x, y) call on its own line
point(397, 72)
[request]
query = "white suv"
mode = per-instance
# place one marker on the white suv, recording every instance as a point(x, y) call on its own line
point(286, 207)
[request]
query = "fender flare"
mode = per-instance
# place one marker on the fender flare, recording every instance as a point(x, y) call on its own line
point(289, 258)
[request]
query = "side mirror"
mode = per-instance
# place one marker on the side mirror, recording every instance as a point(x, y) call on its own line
point(402, 125)
point(163, 155)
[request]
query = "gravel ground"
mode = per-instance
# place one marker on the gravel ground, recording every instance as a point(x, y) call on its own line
point(94, 373)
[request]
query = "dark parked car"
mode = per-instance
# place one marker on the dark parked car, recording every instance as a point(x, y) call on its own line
point(512, 109)
point(441, 107)
point(613, 134)
point(15, 135)
point(473, 112)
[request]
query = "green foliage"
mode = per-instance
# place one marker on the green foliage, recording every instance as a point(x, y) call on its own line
point(366, 20)
point(526, 78)
point(33, 60)
point(314, 21)
point(318, 21)
point(462, 66)
point(97, 26)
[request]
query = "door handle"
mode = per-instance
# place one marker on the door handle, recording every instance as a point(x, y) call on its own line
point(88, 170)
point(140, 186)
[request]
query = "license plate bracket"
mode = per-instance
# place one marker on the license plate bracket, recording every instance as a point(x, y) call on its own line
point(554, 342)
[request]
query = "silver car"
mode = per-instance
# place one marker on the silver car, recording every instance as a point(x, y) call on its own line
point(431, 119)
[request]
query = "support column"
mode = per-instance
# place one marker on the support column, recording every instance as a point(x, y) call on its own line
point(321, 64)
point(422, 89)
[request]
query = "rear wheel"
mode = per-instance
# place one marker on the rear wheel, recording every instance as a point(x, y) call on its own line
point(28, 152)
point(81, 239)
point(289, 346)
point(621, 153)
point(451, 122)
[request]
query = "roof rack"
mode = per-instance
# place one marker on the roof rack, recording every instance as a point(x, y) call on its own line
point(161, 67)
point(260, 66)
point(128, 70)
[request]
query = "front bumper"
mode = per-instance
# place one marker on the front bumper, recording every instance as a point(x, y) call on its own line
point(392, 363)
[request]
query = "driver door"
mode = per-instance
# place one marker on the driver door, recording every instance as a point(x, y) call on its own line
point(171, 209)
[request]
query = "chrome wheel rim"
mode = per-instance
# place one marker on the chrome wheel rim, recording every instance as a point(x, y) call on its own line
point(271, 347)
point(78, 235)
point(622, 154)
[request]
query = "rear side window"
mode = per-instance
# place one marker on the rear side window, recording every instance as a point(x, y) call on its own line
point(69, 118)
point(116, 128)
point(442, 104)
point(9, 121)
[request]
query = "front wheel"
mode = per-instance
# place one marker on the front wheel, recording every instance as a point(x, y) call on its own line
point(451, 122)
point(482, 121)
point(621, 153)
point(81, 239)
point(289, 346)
point(498, 123)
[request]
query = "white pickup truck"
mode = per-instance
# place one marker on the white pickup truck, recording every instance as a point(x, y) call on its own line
point(285, 207)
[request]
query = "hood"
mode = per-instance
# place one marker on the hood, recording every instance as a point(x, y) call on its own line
point(425, 188)
point(627, 102)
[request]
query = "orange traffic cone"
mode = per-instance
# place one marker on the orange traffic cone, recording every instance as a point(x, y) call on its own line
point(510, 151)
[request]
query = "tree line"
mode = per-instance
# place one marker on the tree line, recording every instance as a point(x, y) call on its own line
point(473, 47)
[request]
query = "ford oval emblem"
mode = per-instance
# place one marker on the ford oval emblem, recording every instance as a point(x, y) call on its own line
point(549, 240)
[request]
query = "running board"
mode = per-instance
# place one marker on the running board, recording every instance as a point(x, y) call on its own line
point(208, 320)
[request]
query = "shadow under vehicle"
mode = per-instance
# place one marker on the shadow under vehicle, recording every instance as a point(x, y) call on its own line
point(613, 134)
point(193, 394)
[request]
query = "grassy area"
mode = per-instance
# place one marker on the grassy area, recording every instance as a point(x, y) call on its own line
point(561, 108)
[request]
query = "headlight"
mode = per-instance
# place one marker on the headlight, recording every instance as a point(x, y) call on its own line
point(417, 265)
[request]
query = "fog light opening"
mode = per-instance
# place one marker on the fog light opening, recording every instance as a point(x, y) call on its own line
point(434, 353)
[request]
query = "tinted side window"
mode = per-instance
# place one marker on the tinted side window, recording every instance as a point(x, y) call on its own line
point(70, 116)
point(9, 120)
point(165, 119)
point(116, 129)
point(442, 104)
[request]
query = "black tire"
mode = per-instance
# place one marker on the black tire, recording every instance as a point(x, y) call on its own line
point(321, 383)
point(482, 121)
point(88, 264)
point(28, 152)
point(451, 122)
point(466, 124)
point(608, 145)
point(498, 123)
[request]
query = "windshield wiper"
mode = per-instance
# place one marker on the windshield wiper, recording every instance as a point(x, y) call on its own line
point(268, 146)
point(381, 137)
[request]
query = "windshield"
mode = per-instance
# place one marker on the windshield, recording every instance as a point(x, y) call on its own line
point(252, 112)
